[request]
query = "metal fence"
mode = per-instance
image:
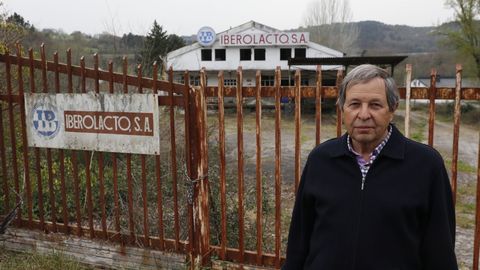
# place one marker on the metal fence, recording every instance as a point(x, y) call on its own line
point(215, 189)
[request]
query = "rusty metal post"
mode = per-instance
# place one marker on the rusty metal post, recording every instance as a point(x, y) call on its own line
point(173, 156)
point(201, 200)
point(258, 120)
point(223, 173)
point(298, 127)
point(318, 105)
point(476, 241)
point(278, 179)
point(408, 91)
point(26, 160)
point(456, 130)
point(339, 110)
point(432, 95)
point(241, 177)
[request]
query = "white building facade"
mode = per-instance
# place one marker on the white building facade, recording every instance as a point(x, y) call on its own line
point(253, 46)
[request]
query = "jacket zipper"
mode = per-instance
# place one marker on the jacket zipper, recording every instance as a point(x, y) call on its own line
point(357, 229)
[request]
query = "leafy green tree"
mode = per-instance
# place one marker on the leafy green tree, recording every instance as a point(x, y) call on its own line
point(157, 44)
point(17, 19)
point(10, 31)
point(464, 36)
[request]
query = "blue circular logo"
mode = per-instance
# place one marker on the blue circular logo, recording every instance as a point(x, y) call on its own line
point(45, 120)
point(206, 36)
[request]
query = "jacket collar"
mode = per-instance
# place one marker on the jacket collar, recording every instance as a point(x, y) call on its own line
point(395, 147)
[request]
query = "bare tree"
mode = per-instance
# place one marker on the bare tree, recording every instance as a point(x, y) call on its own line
point(328, 24)
point(465, 36)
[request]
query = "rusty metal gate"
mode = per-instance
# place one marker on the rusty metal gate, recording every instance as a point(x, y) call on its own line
point(211, 193)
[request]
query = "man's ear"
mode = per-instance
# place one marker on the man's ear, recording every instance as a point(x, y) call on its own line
point(395, 107)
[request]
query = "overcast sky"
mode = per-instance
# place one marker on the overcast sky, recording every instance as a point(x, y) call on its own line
point(185, 17)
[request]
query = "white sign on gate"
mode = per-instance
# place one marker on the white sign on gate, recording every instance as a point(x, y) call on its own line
point(123, 123)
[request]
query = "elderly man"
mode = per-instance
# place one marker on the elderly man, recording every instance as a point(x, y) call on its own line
point(372, 199)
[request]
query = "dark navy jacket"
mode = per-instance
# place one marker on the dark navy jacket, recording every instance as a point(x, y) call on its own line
point(403, 219)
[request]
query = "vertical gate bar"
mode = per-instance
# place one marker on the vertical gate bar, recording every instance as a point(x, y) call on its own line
point(6, 190)
point(173, 153)
point(131, 223)
point(4, 165)
point(158, 172)
point(100, 158)
point(203, 187)
point(223, 181)
point(73, 153)
point(298, 126)
point(278, 192)
point(195, 172)
point(188, 160)
point(476, 241)
point(408, 90)
point(432, 95)
point(87, 155)
point(456, 129)
point(26, 161)
point(37, 150)
point(51, 191)
point(318, 106)
point(95, 68)
point(61, 156)
point(12, 135)
point(339, 110)
point(102, 194)
point(241, 221)
point(258, 116)
point(144, 174)
point(114, 166)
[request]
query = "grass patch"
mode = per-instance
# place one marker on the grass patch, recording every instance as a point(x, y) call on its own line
point(15, 260)
point(462, 166)
point(418, 133)
point(465, 208)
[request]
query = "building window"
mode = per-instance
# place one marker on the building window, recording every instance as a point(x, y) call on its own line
point(267, 80)
point(285, 53)
point(291, 81)
point(230, 82)
point(245, 54)
point(180, 79)
point(300, 53)
point(259, 54)
point(285, 81)
point(220, 55)
point(206, 55)
point(304, 81)
point(195, 80)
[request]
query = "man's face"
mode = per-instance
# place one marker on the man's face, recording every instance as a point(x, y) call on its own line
point(366, 114)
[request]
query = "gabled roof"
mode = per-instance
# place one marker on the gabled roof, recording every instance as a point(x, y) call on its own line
point(246, 27)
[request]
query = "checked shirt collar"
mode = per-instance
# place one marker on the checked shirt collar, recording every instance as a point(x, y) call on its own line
point(365, 164)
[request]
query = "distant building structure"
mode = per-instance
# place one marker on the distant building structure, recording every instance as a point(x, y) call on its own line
point(253, 46)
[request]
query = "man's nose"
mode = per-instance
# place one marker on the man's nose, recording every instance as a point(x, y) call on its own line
point(364, 112)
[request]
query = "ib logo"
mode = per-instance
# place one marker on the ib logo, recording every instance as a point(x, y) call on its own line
point(206, 36)
point(45, 120)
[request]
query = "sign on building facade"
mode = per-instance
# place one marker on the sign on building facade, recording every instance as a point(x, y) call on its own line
point(265, 39)
point(123, 123)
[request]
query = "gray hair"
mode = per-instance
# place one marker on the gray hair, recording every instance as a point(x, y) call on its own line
point(365, 73)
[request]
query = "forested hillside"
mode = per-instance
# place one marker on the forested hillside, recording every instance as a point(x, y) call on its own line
point(423, 45)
